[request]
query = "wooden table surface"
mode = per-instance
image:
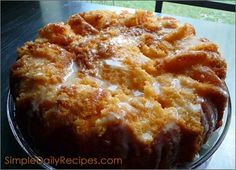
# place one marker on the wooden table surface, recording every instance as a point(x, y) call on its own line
point(20, 22)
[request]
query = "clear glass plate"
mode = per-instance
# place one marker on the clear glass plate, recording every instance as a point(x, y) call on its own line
point(200, 161)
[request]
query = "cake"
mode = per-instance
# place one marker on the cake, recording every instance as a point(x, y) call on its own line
point(136, 86)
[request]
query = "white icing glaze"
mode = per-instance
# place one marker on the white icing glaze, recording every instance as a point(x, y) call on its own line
point(142, 59)
point(137, 93)
point(189, 42)
point(119, 115)
point(146, 137)
point(106, 119)
point(39, 74)
point(169, 127)
point(175, 83)
point(99, 82)
point(174, 113)
point(188, 90)
point(144, 121)
point(125, 105)
point(122, 40)
point(199, 99)
point(148, 105)
point(71, 75)
point(112, 87)
point(194, 107)
point(111, 117)
point(156, 87)
point(93, 50)
point(114, 63)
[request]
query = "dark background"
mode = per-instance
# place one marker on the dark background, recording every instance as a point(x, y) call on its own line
point(17, 26)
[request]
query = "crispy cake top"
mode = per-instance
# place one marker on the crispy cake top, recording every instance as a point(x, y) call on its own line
point(136, 70)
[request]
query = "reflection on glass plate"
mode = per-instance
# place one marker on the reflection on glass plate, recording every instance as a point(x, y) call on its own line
point(201, 160)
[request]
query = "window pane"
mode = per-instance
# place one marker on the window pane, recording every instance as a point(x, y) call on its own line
point(176, 9)
point(146, 5)
point(199, 12)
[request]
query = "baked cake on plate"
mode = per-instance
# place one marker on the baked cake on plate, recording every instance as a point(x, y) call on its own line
point(131, 85)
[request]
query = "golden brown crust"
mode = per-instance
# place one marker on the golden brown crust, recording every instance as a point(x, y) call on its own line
point(147, 79)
